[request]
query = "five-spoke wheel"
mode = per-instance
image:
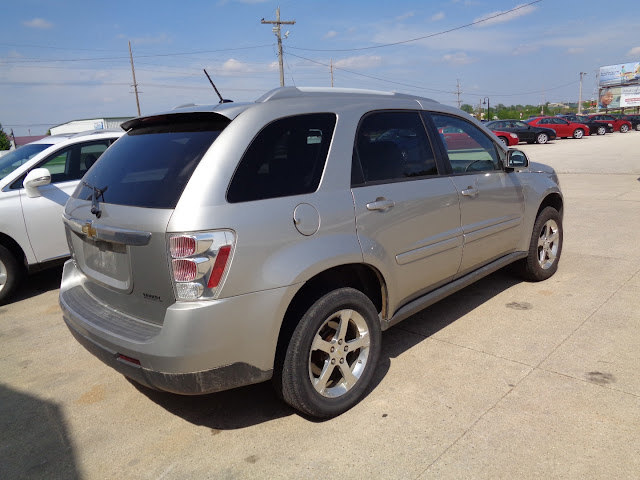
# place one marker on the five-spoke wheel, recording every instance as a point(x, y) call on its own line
point(332, 354)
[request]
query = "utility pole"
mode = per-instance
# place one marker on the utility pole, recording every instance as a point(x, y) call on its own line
point(276, 30)
point(580, 94)
point(331, 69)
point(458, 91)
point(135, 84)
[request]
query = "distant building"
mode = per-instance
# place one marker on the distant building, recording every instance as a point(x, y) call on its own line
point(76, 126)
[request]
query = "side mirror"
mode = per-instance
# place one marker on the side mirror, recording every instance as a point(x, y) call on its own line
point(34, 179)
point(517, 159)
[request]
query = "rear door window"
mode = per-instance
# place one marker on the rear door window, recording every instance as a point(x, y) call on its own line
point(150, 166)
point(392, 146)
point(286, 158)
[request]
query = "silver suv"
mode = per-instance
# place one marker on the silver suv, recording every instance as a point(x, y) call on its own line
point(223, 246)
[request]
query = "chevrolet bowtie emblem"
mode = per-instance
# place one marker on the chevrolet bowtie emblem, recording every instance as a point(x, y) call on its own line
point(89, 230)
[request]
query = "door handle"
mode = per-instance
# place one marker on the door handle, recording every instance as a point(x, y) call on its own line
point(470, 191)
point(381, 204)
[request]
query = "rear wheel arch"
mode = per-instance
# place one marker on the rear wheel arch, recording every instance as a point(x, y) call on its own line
point(361, 277)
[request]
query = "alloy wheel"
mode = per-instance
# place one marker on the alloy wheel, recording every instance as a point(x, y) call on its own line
point(339, 353)
point(548, 244)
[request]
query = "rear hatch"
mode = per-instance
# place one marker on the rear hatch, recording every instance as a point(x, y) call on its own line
point(117, 218)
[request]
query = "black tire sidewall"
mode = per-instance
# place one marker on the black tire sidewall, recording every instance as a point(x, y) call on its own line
point(543, 136)
point(533, 271)
point(297, 389)
point(14, 274)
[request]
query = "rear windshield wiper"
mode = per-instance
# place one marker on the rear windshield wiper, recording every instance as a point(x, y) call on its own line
point(95, 195)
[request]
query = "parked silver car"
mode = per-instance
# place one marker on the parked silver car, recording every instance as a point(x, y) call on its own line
point(222, 246)
point(35, 182)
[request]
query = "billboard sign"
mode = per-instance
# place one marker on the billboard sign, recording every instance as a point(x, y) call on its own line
point(622, 74)
point(616, 97)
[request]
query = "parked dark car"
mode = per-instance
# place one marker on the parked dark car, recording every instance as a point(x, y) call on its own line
point(619, 125)
point(595, 127)
point(526, 133)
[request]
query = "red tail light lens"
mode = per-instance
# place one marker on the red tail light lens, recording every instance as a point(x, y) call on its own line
point(219, 266)
point(182, 246)
point(184, 270)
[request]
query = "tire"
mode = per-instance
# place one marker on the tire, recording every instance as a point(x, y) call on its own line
point(332, 354)
point(545, 247)
point(601, 130)
point(11, 274)
point(624, 128)
point(638, 127)
point(504, 141)
point(578, 133)
point(542, 138)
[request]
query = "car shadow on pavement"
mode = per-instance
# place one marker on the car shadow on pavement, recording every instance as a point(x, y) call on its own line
point(38, 283)
point(255, 404)
point(35, 442)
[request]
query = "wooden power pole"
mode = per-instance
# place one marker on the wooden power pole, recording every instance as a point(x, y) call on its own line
point(135, 84)
point(276, 30)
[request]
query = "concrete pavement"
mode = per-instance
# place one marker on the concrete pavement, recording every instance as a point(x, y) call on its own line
point(504, 379)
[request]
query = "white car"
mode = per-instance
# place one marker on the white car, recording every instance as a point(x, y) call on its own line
point(35, 182)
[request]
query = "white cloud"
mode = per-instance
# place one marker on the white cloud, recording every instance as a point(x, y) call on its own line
point(438, 16)
point(331, 34)
point(233, 66)
point(363, 61)
point(634, 52)
point(37, 23)
point(458, 58)
point(575, 51)
point(405, 16)
point(507, 17)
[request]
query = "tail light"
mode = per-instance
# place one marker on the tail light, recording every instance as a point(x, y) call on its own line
point(200, 262)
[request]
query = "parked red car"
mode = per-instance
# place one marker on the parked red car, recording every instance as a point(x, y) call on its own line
point(458, 139)
point(619, 124)
point(563, 128)
point(508, 138)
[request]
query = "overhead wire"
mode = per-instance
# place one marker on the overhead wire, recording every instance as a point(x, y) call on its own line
point(431, 35)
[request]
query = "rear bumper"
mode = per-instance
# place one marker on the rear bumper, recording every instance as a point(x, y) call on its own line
point(198, 347)
point(208, 381)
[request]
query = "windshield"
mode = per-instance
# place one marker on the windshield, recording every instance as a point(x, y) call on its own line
point(149, 167)
point(20, 156)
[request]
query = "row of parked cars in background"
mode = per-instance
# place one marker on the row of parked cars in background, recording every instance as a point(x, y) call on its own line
point(545, 128)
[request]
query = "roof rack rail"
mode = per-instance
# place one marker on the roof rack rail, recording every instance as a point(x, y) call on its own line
point(293, 92)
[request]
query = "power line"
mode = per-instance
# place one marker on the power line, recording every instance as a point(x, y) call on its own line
point(156, 55)
point(431, 35)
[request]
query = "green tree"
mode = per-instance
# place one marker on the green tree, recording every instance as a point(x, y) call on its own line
point(466, 107)
point(4, 140)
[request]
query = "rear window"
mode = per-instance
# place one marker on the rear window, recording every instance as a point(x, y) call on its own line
point(150, 166)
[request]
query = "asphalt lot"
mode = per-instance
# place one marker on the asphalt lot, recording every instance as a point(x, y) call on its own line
point(505, 379)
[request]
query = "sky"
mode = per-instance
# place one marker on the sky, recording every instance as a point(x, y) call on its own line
point(69, 60)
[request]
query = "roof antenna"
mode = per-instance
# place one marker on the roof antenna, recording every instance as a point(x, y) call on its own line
point(222, 100)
